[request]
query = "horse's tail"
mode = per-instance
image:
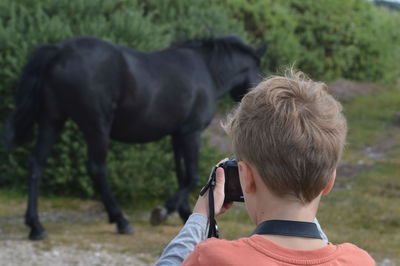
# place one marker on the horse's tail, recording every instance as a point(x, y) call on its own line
point(19, 129)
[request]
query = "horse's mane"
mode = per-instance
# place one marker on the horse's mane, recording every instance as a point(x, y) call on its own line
point(226, 43)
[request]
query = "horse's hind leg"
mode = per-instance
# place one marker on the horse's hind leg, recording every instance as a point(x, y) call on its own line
point(47, 136)
point(97, 145)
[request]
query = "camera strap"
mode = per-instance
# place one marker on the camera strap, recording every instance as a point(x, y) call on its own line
point(288, 228)
point(213, 227)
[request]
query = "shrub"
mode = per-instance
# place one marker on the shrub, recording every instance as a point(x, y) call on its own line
point(327, 39)
point(190, 19)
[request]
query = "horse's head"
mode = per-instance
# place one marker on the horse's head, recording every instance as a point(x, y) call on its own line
point(250, 73)
point(236, 65)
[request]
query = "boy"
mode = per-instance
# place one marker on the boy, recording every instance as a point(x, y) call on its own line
point(287, 135)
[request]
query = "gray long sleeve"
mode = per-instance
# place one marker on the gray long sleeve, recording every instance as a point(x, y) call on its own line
point(179, 248)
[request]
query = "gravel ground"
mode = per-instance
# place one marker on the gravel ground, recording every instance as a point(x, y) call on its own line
point(27, 253)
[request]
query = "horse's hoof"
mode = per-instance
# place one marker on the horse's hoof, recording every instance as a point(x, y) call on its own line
point(124, 228)
point(158, 215)
point(37, 235)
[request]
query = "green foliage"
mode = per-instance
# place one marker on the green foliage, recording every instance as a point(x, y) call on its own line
point(193, 19)
point(326, 39)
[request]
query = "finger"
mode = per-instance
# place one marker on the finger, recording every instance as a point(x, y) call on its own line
point(212, 170)
point(220, 178)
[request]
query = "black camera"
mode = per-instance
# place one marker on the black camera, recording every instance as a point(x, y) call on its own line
point(233, 190)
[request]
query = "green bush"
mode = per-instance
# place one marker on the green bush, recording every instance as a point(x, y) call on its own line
point(193, 19)
point(326, 39)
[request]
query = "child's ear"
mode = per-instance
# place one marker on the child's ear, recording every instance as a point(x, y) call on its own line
point(247, 174)
point(330, 184)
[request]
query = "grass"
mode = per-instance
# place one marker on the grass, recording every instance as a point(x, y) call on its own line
point(369, 115)
point(363, 210)
point(367, 214)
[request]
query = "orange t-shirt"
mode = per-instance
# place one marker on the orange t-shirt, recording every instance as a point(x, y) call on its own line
point(257, 250)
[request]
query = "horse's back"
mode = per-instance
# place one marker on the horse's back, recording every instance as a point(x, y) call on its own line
point(87, 62)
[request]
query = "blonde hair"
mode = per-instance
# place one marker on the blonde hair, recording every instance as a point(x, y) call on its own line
point(292, 131)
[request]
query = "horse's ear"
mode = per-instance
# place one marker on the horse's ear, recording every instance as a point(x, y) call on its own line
point(260, 51)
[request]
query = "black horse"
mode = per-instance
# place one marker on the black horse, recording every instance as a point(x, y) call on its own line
point(115, 92)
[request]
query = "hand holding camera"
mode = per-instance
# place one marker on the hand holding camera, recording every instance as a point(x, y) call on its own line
point(218, 194)
point(220, 206)
point(227, 188)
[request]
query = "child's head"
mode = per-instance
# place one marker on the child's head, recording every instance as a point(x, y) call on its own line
point(292, 131)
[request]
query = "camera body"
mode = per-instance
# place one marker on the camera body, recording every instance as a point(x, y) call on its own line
point(233, 190)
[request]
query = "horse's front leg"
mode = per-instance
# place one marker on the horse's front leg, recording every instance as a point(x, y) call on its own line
point(186, 151)
point(191, 148)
